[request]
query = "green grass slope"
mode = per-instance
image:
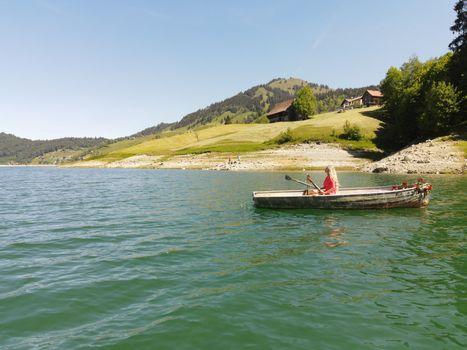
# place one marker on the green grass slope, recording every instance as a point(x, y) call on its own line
point(236, 138)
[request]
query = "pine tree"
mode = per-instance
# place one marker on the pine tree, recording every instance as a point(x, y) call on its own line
point(460, 27)
point(458, 64)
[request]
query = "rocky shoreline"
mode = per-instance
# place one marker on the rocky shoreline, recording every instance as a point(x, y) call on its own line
point(430, 157)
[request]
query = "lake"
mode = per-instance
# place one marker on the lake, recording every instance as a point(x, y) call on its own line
point(168, 259)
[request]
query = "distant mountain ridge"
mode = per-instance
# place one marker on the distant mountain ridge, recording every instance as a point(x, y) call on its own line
point(17, 150)
point(251, 105)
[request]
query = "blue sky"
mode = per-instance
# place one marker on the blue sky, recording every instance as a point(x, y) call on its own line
point(113, 67)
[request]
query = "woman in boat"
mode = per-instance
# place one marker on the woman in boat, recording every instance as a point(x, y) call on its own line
point(330, 184)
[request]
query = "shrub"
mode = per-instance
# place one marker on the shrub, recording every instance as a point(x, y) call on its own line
point(261, 119)
point(284, 137)
point(351, 132)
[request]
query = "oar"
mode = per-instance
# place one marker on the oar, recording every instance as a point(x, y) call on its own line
point(287, 177)
point(309, 179)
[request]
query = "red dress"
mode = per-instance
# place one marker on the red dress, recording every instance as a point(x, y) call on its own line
point(329, 186)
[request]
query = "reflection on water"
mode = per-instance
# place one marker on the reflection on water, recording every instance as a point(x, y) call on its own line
point(334, 232)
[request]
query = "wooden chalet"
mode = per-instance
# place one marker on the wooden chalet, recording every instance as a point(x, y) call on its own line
point(283, 112)
point(372, 98)
point(352, 102)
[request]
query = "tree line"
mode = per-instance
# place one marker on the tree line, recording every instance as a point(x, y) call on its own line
point(428, 99)
point(254, 106)
point(20, 150)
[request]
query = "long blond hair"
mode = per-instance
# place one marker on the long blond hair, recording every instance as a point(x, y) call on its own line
point(333, 175)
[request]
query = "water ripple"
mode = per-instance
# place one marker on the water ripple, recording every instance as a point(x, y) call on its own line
point(126, 259)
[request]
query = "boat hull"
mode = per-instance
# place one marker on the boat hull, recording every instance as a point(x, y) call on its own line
point(363, 198)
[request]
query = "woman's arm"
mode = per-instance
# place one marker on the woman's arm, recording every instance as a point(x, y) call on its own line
point(309, 179)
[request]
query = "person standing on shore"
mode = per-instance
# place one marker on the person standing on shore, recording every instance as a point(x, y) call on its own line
point(330, 184)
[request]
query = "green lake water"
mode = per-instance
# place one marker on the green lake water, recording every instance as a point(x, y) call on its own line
point(150, 259)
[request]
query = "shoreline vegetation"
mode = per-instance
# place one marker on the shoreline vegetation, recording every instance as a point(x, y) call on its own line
point(310, 144)
point(430, 157)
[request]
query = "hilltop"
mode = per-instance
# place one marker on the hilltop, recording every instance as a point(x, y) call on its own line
point(251, 105)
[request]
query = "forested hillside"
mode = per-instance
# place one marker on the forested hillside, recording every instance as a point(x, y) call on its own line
point(14, 149)
point(251, 106)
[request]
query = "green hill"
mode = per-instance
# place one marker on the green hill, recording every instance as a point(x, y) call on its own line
point(237, 138)
point(246, 107)
point(16, 150)
point(251, 106)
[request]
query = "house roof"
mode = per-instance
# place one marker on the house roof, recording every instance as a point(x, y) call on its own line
point(280, 107)
point(353, 99)
point(350, 100)
point(374, 93)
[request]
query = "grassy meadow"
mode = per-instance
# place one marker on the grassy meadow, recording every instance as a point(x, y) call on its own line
point(238, 138)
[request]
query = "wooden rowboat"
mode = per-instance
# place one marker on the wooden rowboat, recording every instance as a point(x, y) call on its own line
point(415, 196)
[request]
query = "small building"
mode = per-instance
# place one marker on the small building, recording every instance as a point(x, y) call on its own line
point(283, 112)
point(352, 102)
point(372, 98)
